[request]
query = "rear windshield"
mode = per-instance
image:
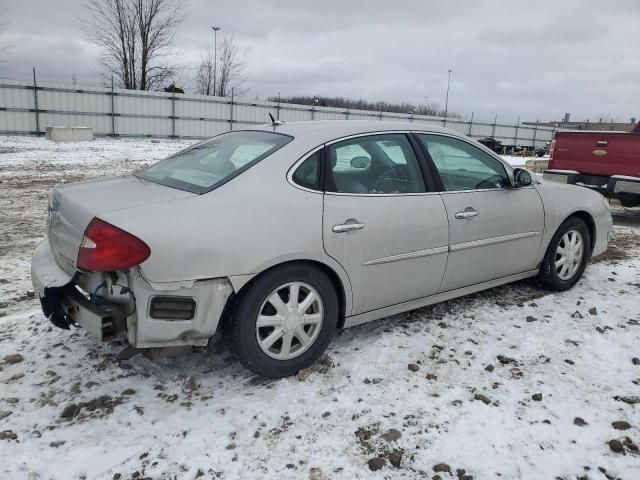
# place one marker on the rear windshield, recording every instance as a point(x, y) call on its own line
point(209, 164)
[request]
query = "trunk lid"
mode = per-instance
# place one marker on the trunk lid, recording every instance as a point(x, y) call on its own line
point(72, 207)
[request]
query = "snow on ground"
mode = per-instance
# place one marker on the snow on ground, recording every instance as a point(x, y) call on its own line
point(512, 383)
point(516, 161)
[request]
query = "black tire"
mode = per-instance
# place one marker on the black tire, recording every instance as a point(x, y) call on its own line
point(548, 276)
point(239, 327)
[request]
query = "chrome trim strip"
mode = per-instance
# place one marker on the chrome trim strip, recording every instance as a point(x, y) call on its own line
point(508, 167)
point(415, 194)
point(294, 167)
point(499, 189)
point(407, 256)
point(491, 241)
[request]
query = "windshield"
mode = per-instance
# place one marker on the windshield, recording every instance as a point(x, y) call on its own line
point(211, 163)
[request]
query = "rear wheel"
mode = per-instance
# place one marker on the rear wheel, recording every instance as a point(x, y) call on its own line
point(283, 321)
point(567, 256)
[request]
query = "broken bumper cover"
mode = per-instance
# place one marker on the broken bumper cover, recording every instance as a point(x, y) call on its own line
point(64, 305)
point(147, 315)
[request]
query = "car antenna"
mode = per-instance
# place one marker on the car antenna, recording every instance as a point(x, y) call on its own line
point(275, 123)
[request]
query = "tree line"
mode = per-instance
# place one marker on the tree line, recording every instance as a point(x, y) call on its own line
point(431, 109)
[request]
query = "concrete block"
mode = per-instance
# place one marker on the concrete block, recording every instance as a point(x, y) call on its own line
point(70, 134)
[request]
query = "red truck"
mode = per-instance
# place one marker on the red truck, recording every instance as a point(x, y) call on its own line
point(608, 162)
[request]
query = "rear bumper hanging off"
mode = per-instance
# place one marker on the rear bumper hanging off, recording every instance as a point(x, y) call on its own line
point(66, 306)
point(148, 314)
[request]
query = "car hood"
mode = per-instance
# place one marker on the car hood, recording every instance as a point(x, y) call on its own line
point(72, 207)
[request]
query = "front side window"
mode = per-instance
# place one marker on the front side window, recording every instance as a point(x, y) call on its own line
point(211, 163)
point(462, 166)
point(374, 164)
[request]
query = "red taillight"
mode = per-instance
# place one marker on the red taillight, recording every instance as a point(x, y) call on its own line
point(106, 248)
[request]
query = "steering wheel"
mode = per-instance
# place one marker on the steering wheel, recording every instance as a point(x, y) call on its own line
point(389, 179)
point(494, 181)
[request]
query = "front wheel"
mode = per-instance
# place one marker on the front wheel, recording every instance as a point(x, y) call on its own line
point(567, 256)
point(283, 321)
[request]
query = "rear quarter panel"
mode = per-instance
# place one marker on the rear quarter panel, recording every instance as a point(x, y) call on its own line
point(255, 221)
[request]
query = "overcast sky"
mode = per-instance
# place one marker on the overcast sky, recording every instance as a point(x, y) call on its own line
point(535, 59)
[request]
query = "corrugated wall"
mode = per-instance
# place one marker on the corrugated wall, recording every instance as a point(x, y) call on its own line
point(160, 114)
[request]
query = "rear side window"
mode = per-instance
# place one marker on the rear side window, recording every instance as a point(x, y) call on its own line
point(308, 172)
point(373, 165)
point(211, 163)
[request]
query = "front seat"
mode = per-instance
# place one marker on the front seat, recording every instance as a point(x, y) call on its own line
point(344, 183)
point(349, 185)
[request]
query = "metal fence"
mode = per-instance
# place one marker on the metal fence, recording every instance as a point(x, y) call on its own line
point(27, 108)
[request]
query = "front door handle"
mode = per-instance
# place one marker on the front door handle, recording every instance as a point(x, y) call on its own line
point(347, 227)
point(467, 213)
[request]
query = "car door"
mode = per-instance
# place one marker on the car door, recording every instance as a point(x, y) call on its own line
point(381, 222)
point(495, 230)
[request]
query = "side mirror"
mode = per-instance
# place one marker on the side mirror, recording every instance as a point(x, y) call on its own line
point(521, 178)
point(360, 163)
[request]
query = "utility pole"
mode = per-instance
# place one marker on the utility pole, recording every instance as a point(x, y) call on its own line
point(446, 103)
point(35, 101)
point(215, 57)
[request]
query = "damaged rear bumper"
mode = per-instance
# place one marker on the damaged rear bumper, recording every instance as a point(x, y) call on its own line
point(126, 304)
point(64, 304)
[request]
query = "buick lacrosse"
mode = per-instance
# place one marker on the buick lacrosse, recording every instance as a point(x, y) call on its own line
point(280, 234)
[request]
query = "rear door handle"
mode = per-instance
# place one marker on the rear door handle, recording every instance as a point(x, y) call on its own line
point(347, 227)
point(467, 213)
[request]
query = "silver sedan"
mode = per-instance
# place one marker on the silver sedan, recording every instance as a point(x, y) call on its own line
point(278, 235)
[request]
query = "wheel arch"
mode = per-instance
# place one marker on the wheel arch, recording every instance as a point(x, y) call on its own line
point(340, 283)
point(587, 218)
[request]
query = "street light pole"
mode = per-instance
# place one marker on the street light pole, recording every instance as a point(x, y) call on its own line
point(215, 56)
point(446, 103)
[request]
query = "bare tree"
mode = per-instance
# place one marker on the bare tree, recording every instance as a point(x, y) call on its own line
point(606, 118)
point(4, 50)
point(134, 37)
point(231, 69)
point(432, 109)
point(204, 74)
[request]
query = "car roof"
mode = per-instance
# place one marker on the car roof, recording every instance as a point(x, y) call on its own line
point(321, 131)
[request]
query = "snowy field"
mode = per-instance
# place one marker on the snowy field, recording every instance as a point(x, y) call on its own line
point(512, 383)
